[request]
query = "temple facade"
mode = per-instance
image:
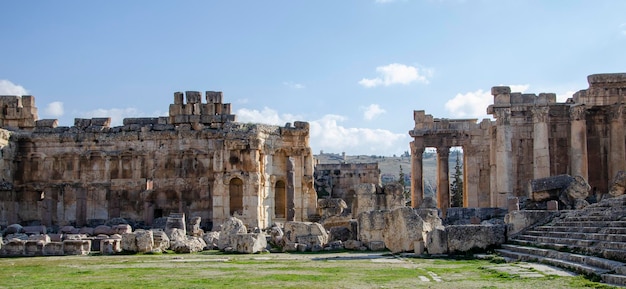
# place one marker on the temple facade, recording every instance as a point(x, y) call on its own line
point(532, 137)
point(198, 161)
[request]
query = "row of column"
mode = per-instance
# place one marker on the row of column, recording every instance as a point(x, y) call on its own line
point(443, 181)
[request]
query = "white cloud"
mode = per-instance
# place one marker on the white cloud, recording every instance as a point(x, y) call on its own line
point(117, 115)
point(54, 109)
point(474, 104)
point(267, 116)
point(293, 85)
point(329, 135)
point(562, 97)
point(372, 111)
point(9, 88)
point(397, 73)
point(470, 104)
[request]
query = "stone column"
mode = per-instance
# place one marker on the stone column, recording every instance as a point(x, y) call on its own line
point(290, 190)
point(443, 179)
point(417, 188)
point(541, 146)
point(617, 149)
point(578, 142)
point(504, 184)
point(471, 177)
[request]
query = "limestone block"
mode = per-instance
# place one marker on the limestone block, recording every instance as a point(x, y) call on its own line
point(39, 237)
point(463, 238)
point(290, 247)
point(88, 231)
point(33, 248)
point(376, 246)
point(129, 242)
point(14, 229)
point(618, 184)
point(102, 230)
point(352, 245)
point(178, 98)
point(214, 96)
point(436, 241)
point(122, 229)
point(15, 247)
point(74, 237)
point(418, 247)
point(230, 229)
point(311, 233)
point(176, 109)
point(340, 234)
point(403, 227)
point(331, 207)
point(194, 226)
point(145, 242)
point(552, 205)
point(176, 235)
point(34, 230)
point(161, 240)
point(189, 245)
point(208, 109)
point(76, 247)
point(251, 243)
point(211, 239)
point(53, 249)
point(371, 225)
point(193, 97)
point(518, 221)
point(110, 246)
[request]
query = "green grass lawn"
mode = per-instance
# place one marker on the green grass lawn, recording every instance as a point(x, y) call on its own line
point(216, 270)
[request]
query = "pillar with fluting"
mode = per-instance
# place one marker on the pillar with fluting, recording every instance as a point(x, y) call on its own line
point(541, 147)
point(578, 142)
point(443, 179)
point(617, 149)
point(417, 188)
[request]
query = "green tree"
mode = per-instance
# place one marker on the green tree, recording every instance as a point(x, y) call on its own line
point(456, 188)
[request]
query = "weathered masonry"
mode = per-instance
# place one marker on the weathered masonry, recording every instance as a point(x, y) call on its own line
point(532, 137)
point(196, 161)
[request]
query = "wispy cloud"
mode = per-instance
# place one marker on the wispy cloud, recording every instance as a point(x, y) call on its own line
point(117, 115)
point(396, 73)
point(9, 88)
point(54, 109)
point(293, 85)
point(328, 133)
point(372, 111)
point(474, 104)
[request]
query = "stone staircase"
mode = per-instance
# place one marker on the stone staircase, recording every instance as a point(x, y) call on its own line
point(591, 241)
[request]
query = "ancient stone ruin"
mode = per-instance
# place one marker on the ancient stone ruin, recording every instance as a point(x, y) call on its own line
point(197, 161)
point(532, 137)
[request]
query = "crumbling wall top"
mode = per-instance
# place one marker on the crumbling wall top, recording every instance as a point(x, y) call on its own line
point(606, 80)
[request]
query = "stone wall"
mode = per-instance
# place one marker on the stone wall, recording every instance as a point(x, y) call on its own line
point(342, 180)
point(196, 161)
point(532, 137)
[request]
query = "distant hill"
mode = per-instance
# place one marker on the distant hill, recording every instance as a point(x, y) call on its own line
point(390, 166)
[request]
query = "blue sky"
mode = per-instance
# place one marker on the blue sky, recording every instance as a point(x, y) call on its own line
point(355, 70)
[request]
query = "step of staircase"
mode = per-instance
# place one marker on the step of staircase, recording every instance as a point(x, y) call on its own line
point(612, 272)
point(577, 235)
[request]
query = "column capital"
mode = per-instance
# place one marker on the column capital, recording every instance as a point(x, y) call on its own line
point(443, 151)
point(540, 113)
point(577, 112)
point(616, 111)
point(503, 116)
point(416, 150)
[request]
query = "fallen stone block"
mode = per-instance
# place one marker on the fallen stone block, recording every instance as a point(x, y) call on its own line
point(465, 238)
point(352, 245)
point(129, 242)
point(251, 243)
point(436, 242)
point(76, 247)
point(53, 249)
point(15, 247)
point(145, 242)
point(33, 248)
point(110, 246)
point(403, 227)
point(161, 240)
point(376, 245)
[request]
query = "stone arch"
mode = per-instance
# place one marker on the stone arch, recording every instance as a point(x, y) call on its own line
point(235, 192)
point(280, 199)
